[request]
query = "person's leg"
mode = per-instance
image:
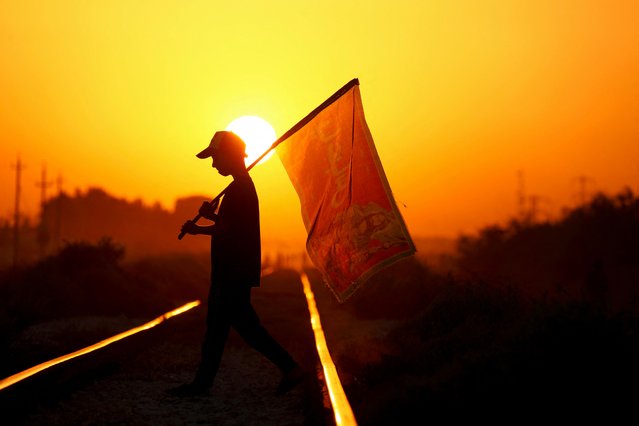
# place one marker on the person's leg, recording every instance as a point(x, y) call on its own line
point(217, 331)
point(215, 336)
point(248, 325)
point(246, 322)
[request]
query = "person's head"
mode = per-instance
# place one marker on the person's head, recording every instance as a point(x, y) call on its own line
point(228, 151)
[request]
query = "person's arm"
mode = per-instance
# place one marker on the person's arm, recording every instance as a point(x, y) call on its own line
point(208, 210)
point(206, 230)
point(192, 228)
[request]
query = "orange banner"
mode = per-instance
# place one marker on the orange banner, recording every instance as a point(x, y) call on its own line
point(353, 224)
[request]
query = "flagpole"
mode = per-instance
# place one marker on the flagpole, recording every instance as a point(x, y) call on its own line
point(303, 122)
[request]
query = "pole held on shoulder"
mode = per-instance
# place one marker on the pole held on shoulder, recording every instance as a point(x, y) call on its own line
point(335, 96)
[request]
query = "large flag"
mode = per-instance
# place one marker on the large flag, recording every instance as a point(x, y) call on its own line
point(353, 224)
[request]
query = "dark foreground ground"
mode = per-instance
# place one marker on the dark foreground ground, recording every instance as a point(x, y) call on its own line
point(125, 382)
point(529, 321)
point(411, 347)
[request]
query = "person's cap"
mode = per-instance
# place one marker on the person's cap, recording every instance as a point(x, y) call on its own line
point(223, 141)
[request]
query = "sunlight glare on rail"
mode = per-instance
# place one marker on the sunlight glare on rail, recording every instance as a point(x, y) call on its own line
point(36, 369)
point(341, 406)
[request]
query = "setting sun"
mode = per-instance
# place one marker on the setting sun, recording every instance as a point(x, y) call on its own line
point(258, 134)
point(476, 109)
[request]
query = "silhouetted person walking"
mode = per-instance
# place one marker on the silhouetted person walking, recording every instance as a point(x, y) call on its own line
point(236, 265)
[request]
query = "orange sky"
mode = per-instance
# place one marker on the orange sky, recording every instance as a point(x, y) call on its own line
point(459, 96)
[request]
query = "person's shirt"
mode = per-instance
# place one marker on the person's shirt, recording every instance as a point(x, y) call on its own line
point(236, 256)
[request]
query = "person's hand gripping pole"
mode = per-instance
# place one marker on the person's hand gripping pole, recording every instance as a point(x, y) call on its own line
point(208, 210)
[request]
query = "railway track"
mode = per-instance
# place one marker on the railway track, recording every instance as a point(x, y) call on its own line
point(124, 381)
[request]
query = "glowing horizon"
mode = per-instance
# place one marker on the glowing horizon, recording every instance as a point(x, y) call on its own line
point(459, 98)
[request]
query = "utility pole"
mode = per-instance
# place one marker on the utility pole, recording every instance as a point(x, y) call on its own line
point(536, 207)
point(19, 166)
point(43, 236)
point(58, 211)
point(534, 203)
point(521, 195)
point(582, 193)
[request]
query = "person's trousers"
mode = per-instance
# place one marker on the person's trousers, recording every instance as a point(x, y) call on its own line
point(230, 306)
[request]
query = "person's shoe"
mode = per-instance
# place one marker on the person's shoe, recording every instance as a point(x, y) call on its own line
point(290, 379)
point(188, 390)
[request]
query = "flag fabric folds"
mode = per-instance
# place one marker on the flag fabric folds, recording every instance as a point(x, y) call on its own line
point(353, 224)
